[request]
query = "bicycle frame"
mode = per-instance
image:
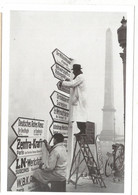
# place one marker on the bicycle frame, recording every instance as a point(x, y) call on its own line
point(115, 161)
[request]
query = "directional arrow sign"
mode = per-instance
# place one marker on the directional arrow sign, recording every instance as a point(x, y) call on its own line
point(60, 72)
point(60, 100)
point(25, 164)
point(63, 88)
point(59, 128)
point(28, 127)
point(24, 183)
point(61, 59)
point(27, 146)
point(59, 115)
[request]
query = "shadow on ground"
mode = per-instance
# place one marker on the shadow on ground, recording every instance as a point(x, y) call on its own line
point(86, 185)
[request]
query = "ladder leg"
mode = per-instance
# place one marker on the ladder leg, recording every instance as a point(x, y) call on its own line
point(90, 162)
point(88, 157)
point(77, 170)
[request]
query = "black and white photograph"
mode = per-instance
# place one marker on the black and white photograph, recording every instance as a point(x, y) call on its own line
point(70, 100)
point(0, 89)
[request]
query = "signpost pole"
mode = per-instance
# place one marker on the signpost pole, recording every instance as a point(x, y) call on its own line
point(70, 144)
point(61, 71)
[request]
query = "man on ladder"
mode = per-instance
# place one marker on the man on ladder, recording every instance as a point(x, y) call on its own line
point(79, 111)
point(79, 115)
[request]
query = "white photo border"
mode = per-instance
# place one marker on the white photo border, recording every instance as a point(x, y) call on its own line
point(129, 75)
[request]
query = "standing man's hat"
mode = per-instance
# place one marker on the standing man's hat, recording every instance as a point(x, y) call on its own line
point(76, 67)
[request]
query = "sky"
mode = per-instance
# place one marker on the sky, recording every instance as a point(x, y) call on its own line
point(79, 35)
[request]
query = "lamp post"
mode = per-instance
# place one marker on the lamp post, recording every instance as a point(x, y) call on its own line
point(122, 33)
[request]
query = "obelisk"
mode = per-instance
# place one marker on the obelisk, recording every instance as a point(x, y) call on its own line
point(107, 132)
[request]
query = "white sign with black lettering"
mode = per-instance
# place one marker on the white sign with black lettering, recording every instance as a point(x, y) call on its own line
point(25, 164)
point(23, 146)
point(60, 73)
point(61, 59)
point(28, 127)
point(60, 100)
point(59, 115)
point(59, 128)
point(24, 183)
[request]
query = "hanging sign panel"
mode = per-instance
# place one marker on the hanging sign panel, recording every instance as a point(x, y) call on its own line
point(59, 128)
point(25, 164)
point(60, 73)
point(63, 88)
point(60, 100)
point(60, 112)
point(23, 146)
point(28, 150)
point(61, 59)
point(28, 127)
point(59, 115)
point(24, 183)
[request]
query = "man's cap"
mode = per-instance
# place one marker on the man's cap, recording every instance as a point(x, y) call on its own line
point(76, 67)
point(58, 136)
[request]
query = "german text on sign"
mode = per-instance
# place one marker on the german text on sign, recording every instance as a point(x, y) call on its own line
point(61, 59)
point(60, 73)
point(59, 115)
point(28, 127)
point(24, 183)
point(59, 128)
point(25, 164)
point(27, 146)
point(60, 100)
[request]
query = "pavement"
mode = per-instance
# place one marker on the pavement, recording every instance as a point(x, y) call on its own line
point(85, 184)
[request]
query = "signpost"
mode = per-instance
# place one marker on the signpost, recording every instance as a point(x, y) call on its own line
point(63, 88)
point(61, 59)
point(59, 115)
point(59, 128)
point(60, 100)
point(28, 127)
point(25, 164)
point(27, 146)
point(24, 183)
point(59, 72)
point(60, 112)
point(28, 150)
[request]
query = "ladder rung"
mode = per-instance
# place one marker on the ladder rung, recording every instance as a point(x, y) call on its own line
point(72, 182)
point(85, 146)
point(86, 156)
point(95, 168)
point(96, 176)
point(94, 171)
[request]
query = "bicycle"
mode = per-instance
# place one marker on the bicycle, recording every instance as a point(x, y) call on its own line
point(115, 162)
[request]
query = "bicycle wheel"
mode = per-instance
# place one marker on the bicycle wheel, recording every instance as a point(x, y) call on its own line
point(108, 166)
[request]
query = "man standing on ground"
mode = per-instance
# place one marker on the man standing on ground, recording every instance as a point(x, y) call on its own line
point(57, 163)
point(78, 99)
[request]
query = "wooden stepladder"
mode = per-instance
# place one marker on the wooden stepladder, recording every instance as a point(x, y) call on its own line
point(82, 153)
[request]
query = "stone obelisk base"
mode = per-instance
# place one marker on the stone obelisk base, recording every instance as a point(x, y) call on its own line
point(107, 135)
